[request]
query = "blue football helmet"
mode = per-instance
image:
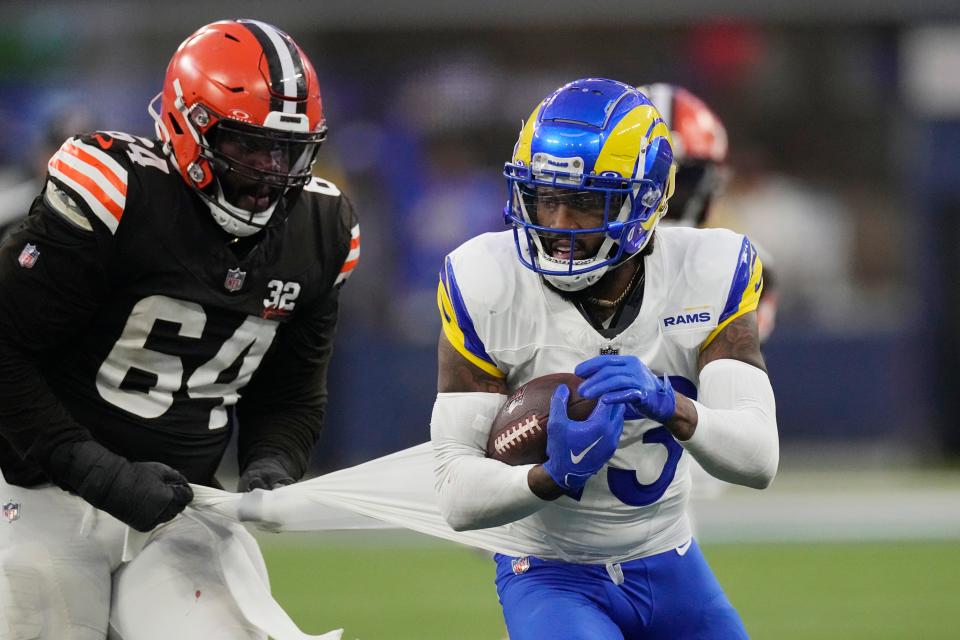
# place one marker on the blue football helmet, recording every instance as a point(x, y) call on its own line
point(605, 146)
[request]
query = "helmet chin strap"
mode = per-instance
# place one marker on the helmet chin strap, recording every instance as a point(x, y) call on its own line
point(231, 218)
point(577, 282)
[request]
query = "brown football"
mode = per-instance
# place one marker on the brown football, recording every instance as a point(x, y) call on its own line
point(519, 431)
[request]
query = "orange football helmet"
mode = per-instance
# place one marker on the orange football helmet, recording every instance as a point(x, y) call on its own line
point(700, 150)
point(241, 115)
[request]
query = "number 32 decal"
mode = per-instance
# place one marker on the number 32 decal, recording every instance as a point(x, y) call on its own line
point(250, 341)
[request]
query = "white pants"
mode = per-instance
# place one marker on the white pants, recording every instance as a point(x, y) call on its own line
point(61, 566)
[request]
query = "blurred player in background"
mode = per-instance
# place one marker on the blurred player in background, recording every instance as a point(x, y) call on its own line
point(700, 150)
point(153, 283)
point(661, 323)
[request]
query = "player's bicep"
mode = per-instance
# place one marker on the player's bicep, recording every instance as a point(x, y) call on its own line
point(738, 340)
point(52, 276)
point(463, 362)
point(457, 374)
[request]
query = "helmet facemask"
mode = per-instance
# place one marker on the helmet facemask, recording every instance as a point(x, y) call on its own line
point(621, 211)
point(253, 168)
point(600, 149)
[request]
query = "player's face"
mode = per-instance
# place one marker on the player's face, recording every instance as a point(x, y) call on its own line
point(258, 155)
point(569, 209)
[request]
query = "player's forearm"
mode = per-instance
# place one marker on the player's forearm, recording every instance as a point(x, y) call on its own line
point(281, 413)
point(735, 438)
point(288, 438)
point(475, 492)
point(32, 420)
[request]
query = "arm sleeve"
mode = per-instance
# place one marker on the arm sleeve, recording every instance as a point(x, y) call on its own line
point(282, 410)
point(475, 492)
point(736, 436)
point(52, 278)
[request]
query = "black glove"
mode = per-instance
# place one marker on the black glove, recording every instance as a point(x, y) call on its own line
point(265, 473)
point(140, 494)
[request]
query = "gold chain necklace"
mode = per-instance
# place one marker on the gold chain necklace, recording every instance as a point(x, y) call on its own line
point(609, 304)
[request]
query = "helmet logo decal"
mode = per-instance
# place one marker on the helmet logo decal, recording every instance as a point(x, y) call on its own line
point(240, 114)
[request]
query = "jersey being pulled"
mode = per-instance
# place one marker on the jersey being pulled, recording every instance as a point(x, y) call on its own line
point(128, 314)
point(504, 319)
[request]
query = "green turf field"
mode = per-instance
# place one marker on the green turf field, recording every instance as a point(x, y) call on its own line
point(848, 591)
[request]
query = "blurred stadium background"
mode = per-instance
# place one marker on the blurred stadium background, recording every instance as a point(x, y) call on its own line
point(844, 124)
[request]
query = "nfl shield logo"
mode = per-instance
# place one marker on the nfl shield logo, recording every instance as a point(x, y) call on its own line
point(610, 350)
point(11, 511)
point(28, 256)
point(520, 565)
point(234, 280)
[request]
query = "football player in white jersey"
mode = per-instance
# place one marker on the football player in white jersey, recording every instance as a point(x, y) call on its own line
point(662, 326)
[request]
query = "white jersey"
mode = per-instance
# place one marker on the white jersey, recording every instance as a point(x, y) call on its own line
point(503, 318)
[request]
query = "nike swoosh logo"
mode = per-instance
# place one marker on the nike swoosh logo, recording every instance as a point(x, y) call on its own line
point(682, 549)
point(576, 458)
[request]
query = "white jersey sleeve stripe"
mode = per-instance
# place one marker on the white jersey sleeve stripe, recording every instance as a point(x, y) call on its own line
point(106, 164)
point(87, 190)
point(109, 183)
point(353, 257)
point(98, 180)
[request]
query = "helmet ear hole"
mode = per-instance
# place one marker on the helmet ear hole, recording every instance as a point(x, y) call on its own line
point(174, 124)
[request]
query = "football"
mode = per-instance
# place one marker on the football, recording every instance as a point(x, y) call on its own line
point(519, 431)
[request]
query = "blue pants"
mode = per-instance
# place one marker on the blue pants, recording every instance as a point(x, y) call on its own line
point(668, 596)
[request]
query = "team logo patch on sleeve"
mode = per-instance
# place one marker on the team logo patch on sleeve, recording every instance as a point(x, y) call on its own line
point(28, 256)
point(11, 511)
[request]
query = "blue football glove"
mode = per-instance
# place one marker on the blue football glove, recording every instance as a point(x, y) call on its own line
point(627, 380)
point(577, 450)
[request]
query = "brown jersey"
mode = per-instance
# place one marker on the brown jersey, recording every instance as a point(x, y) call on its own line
point(127, 314)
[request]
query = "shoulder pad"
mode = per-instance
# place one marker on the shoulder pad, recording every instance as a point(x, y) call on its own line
point(730, 264)
point(335, 211)
point(476, 283)
point(94, 169)
point(485, 269)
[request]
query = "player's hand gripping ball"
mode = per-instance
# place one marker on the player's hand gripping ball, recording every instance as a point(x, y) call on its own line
point(519, 432)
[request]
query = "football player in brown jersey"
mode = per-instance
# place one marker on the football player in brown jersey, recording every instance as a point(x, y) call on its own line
point(161, 293)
